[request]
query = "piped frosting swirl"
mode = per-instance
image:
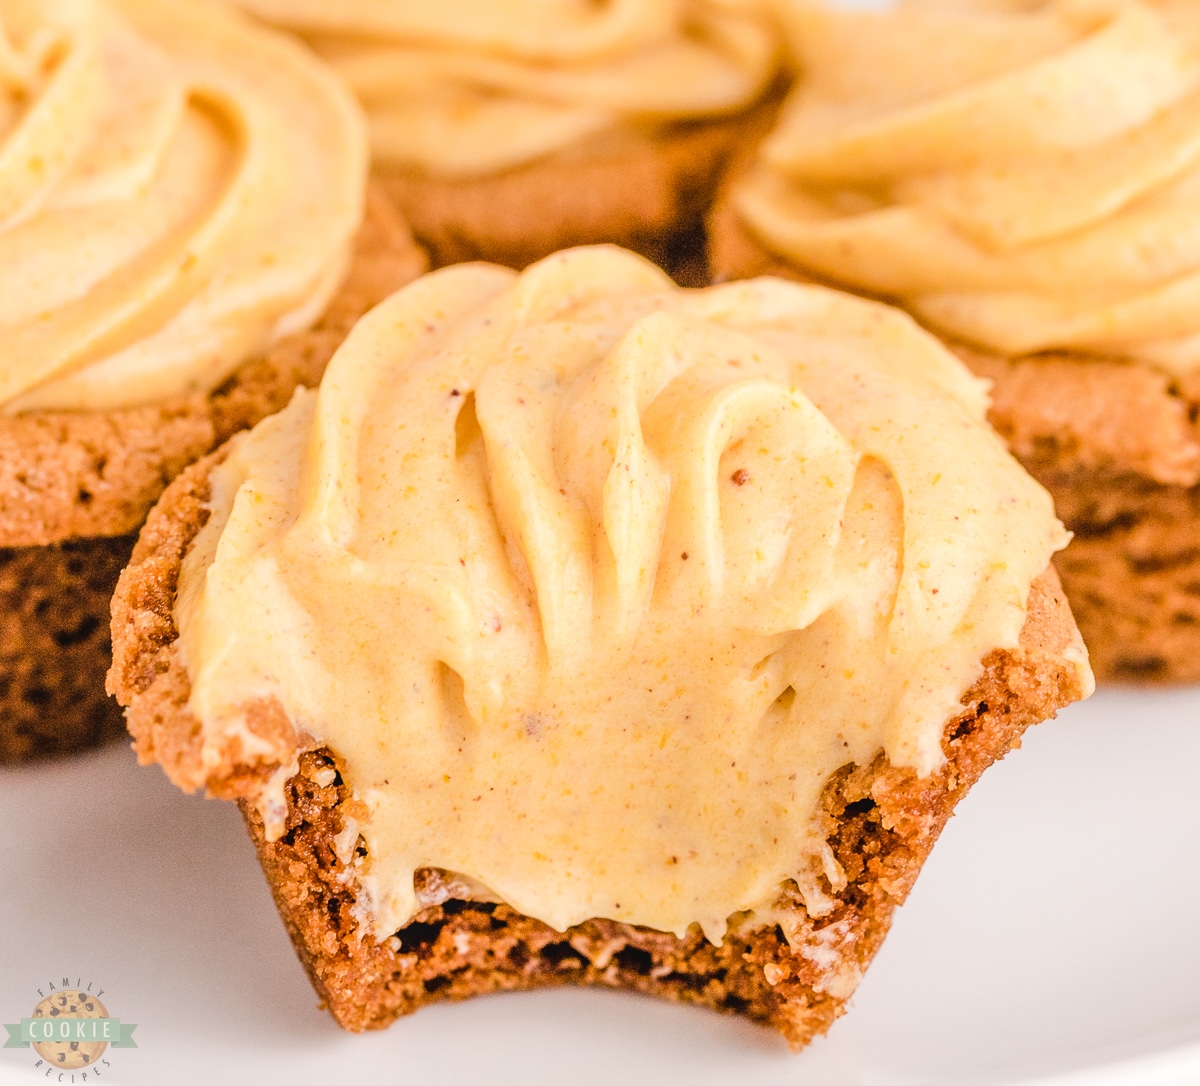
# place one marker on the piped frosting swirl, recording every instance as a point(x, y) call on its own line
point(1021, 176)
point(178, 188)
point(470, 87)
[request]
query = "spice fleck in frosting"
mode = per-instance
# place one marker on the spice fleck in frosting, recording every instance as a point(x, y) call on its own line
point(1021, 176)
point(591, 582)
point(465, 88)
point(178, 188)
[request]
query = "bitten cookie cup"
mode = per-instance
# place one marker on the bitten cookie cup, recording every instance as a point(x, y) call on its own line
point(507, 131)
point(883, 823)
point(768, 626)
point(1053, 250)
point(151, 305)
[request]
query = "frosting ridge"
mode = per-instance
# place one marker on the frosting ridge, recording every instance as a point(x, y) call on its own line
point(471, 87)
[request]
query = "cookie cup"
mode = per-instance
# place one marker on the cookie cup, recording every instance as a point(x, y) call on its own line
point(75, 486)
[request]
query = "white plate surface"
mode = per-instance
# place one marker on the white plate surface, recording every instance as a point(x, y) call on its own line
point(1054, 937)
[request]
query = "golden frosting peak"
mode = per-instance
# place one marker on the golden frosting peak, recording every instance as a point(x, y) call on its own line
point(592, 582)
point(1022, 176)
point(177, 189)
point(469, 87)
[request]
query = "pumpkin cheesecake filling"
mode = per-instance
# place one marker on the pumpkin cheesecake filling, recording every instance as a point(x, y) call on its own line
point(591, 583)
point(1021, 176)
point(468, 88)
point(178, 190)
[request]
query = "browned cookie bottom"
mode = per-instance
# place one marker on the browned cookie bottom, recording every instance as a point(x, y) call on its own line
point(1134, 576)
point(55, 646)
point(1118, 446)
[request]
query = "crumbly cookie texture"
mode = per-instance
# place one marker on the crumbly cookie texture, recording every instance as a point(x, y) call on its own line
point(646, 196)
point(75, 487)
point(882, 822)
point(1118, 446)
point(54, 643)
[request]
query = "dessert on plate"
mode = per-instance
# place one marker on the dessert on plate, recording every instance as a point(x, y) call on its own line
point(180, 192)
point(1025, 180)
point(507, 130)
point(585, 629)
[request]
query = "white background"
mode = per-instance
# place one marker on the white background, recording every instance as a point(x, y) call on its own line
point(1054, 932)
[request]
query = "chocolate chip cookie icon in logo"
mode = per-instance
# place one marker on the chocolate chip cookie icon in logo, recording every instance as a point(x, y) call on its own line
point(71, 1030)
point(70, 1054)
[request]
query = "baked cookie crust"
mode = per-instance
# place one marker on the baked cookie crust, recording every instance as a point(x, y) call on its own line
point(649, 195)
point(76, 486)
point(1118, 447)
point(882, 823)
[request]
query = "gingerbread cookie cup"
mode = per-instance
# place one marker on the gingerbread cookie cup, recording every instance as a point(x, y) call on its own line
point(1053, 250)
point(506, 131)
point(76, 486)
point(581, 629)
point(181, 194)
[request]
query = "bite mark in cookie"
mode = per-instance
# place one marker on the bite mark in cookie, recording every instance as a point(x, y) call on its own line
point(608, 606)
